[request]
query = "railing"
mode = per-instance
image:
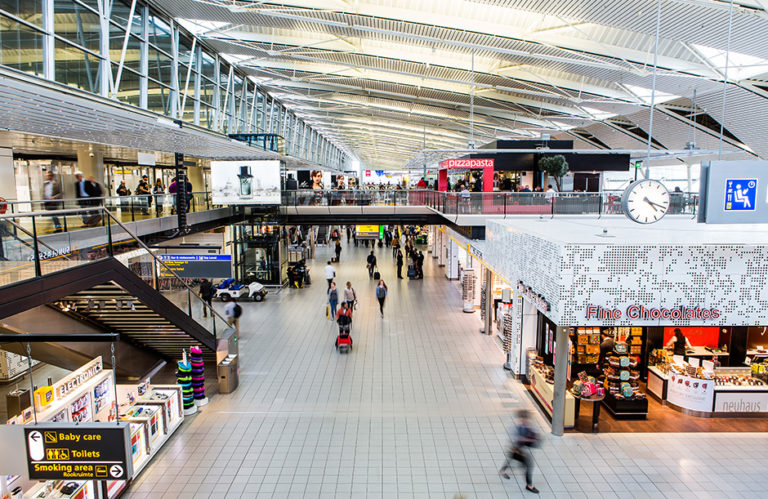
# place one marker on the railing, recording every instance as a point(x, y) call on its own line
point(485, 203)
point(126, 208)
point(24, 256)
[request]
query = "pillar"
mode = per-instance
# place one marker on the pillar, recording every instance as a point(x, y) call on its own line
point(90, 161)
point(442, 180)
point(561, 366)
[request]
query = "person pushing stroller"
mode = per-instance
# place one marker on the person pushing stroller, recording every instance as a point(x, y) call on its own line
point(344, 320)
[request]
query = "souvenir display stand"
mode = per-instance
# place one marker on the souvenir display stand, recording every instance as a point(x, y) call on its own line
point(88, 395)
point(198, 375)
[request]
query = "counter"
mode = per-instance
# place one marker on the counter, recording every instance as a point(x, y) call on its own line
point(544, 394)
point(703, 397)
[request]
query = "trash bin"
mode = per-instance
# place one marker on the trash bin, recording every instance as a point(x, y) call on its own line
point(16, 401)
point(228, 374)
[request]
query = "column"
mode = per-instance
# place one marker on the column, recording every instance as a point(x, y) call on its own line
point(561, 366)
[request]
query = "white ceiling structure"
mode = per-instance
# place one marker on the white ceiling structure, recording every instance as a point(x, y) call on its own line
point(389, 78)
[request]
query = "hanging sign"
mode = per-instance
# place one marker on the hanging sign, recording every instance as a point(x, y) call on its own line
point(85, 451)
point(467, 163)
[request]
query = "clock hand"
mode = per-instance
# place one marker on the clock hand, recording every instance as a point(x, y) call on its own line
point(652, 203)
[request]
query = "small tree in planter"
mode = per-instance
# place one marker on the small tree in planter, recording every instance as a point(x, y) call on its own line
point(554, 166)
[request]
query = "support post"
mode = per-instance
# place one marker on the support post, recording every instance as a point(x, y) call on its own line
point(561, 366)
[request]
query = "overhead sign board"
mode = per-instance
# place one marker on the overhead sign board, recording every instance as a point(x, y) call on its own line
point(86, 451)
point(733, 192)
point(197, 266)
point(467, 163)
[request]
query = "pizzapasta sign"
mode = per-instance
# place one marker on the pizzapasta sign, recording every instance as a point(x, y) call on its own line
point(642, 312)
point(86, 451)
point(533, 297)
point(467, 163)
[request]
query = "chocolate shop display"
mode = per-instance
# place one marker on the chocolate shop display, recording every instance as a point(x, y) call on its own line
point(622, 389)
point(184, 378)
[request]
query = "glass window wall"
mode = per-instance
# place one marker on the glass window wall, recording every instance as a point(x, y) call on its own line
point(159, 66)
point(30, 11)
point(77, 68)
point(77, 24)
point(158, 98)
point(121, 10)
point(160, 34)
point(130, 85)
point(21, 47)
point(132, 51)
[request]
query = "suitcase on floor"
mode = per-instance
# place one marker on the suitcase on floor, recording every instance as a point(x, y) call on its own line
point(411, 272)
point(334, 259)
point(381, 244)
point(377, 275)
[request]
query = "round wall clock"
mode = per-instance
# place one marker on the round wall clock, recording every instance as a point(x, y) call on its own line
point(645, 201)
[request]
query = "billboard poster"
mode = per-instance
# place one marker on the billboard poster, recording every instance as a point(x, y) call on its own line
point(245, 182)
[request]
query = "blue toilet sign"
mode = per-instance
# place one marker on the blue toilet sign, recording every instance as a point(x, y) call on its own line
point(740, 194)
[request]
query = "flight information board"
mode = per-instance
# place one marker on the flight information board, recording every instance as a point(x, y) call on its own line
point(197, 266)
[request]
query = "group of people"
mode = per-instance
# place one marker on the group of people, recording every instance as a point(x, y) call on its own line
point(146, 193)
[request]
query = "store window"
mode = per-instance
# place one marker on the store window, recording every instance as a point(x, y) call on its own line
point(21, 47)
point(77, 68)
point(77, 24)
point(30, 11)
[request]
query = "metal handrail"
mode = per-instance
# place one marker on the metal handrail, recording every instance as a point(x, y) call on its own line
point(110, 216)
point(146, 248)
point(101, 198)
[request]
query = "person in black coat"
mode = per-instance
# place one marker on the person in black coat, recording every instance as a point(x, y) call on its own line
point(420, 265)
point(371, 264)
point(399, 264)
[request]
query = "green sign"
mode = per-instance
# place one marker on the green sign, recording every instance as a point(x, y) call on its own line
point(638, 164)
point(86, 451)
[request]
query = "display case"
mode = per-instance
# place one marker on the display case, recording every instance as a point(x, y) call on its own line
point(542, 385)
point(63, 489)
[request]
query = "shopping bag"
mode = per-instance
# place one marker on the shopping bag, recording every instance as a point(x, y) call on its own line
point(327, 311)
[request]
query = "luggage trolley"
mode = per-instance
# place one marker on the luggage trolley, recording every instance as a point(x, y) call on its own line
point(343, 340)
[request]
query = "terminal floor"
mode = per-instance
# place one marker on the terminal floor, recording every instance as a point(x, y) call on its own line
point(420, 408)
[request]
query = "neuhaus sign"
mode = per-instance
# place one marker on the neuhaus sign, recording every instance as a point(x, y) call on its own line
point(642, 312)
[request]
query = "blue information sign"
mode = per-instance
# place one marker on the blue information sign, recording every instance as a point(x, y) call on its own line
point(740, 194)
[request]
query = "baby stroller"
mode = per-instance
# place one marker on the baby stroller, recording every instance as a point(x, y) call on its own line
point(343, 340)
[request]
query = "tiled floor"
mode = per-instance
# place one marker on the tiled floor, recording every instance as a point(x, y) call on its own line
point(419, 408)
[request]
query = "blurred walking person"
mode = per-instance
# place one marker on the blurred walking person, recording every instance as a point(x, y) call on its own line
point(381, 295)
point(525, 438)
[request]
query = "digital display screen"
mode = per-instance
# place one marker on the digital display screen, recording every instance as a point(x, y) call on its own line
point(245, 182)
point(196, 266)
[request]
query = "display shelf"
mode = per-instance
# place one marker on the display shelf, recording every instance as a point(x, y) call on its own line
point(627, 408)
point(64, 489)
point(621, 377)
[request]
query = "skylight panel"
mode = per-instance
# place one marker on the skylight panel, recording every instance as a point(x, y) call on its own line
point(198, 26)
point(646, 94)
point(740, 66)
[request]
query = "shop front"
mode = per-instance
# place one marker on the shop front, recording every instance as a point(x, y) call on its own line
point(88, 395)
point(647, 321)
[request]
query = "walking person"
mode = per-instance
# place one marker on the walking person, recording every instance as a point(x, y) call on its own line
point(350, 297)
point(233, 311)
point(525, 438)
point(330, 274)
point(420, 264)
point(206, 293)
point(381, 295)
point(399, 264)
point(333, 300)
point(141, 190)
point(338, 248)
point(371, 264)
point(349, 233)
point(81, 193)
point(395, 246)
point(52, 193)
point(159, 191)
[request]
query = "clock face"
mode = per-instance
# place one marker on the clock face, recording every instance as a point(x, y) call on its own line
point(645, 201)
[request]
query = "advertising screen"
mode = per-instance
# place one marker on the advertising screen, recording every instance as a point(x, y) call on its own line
point(245, 182)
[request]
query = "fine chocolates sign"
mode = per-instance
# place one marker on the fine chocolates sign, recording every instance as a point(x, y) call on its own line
point(653, 313)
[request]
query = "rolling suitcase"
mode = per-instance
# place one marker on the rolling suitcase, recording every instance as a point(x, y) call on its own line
point(381, 244)
point(377, 275)
point(411, 272)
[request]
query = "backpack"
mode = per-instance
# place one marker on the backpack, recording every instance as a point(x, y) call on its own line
point(237, 311)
